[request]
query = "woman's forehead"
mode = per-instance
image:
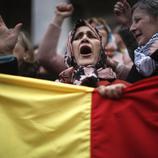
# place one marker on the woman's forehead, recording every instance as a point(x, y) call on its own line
point(139, 10)
point(83, 29)
point(86, 28)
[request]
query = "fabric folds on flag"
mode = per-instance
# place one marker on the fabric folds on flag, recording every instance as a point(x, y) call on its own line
point(44, 119)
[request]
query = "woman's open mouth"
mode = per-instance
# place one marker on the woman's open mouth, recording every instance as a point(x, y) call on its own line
point(85, 50)
point(138, 35)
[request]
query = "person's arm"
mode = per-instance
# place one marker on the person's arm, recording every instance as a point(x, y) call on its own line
point(121, 70)
point(47, 52)
point(123, 15)
point(129, 41)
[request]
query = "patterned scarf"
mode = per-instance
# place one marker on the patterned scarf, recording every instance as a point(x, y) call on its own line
point(142, 53)
point(145, 49)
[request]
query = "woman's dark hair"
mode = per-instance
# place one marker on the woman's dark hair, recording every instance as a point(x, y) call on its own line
point(150, 6)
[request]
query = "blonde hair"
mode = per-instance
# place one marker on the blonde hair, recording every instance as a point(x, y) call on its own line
point(26, 44)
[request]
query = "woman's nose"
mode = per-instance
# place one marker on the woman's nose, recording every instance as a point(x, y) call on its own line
point(85, 38)
point(132, 28)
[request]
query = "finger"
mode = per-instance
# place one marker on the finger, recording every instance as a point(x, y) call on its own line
point(109, 92)
point(101, 90)
point(115, 91)
point(18, 27)
point(70, 6)
point(122, 6)
point(2, 21)
point(127, 5)
point(65, 7)
point(112, 93)
point(119, 92)
point(118, 8)
point(115, 94)
point(117, 12)
point(119, 5)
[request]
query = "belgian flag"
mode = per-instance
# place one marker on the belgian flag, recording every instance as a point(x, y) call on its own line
point(44, 119)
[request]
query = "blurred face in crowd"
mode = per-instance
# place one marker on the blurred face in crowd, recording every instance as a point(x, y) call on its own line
point(144, 26)
point(110, 47)
point(86, 46)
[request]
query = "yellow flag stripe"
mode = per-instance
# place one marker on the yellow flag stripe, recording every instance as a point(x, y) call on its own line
point(43, 119)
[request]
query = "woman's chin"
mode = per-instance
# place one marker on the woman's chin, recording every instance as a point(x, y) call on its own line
point(86, 63)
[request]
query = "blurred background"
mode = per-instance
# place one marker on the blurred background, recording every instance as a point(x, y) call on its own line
point(37, 14)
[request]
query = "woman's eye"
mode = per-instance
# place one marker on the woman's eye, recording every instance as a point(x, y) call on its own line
point(88, 34)
point(91, 35)
point(79, 36)
point(137, 20)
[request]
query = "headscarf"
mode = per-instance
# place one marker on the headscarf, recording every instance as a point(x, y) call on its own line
point(85, 75)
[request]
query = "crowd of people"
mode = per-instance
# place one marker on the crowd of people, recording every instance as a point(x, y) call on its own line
point(95, 55)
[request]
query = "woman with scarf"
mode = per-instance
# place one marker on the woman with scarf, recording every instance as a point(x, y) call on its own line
point(48, 55)
point(144, 27)
point(86, 62)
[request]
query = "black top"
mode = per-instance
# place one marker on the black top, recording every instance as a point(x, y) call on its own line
point(8, 65)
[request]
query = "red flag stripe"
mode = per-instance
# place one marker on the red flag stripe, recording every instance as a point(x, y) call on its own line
point(126, 127)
